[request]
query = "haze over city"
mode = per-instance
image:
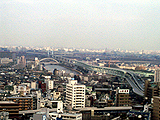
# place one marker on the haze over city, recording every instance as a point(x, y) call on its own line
point(79, 60)
point(98, 24)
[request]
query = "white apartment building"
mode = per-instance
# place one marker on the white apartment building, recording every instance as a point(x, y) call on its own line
point(75, 95)
point(157, 75)
point(49, 84)
point(34, 84)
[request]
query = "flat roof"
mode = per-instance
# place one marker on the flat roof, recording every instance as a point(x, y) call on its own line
point(156, 97)
point(39, 110)
point(103, 89)
point(6, 102)
point(106, 108)
point(66, 114)
point(19, 97)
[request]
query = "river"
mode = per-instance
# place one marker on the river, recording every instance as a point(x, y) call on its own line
point(58, 67)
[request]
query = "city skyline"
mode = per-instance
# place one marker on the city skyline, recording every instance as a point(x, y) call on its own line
point(130, 25)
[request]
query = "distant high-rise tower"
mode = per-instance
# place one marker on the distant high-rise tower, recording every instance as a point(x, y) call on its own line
point(52, 53)
point(157, 75)
point(21, 63)
point(48, 53)
point(23, 60)
point(36, 61)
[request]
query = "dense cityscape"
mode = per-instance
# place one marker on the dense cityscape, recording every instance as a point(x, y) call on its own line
point(79, 60)
point(45, 83)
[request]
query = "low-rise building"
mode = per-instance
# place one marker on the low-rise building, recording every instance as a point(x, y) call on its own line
point(56, 95)
point(65, 116)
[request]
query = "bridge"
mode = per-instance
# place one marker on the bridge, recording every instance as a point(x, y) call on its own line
point(49, 61)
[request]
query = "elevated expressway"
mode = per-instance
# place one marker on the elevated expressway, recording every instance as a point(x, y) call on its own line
point(136, 84)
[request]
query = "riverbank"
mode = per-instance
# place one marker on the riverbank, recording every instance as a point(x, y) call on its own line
point(62, 67)
point(71, 69)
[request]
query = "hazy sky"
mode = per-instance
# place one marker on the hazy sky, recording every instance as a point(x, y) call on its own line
point(97, 24)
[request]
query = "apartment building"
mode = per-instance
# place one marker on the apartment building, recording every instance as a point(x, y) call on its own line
point(25, 103)
point(11, 107)
point(156, 108)
point(49, 84)
point(157, 75)
point(122, 97)
point(151, 89)
point(75, 95)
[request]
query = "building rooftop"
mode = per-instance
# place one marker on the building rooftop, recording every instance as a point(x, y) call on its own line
point(5, 102)
point(156, 97)
point(39, 110)
point(19, 97)
point(103, 89)
point(66, 114)
point(106, 108)
point(153, 85)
